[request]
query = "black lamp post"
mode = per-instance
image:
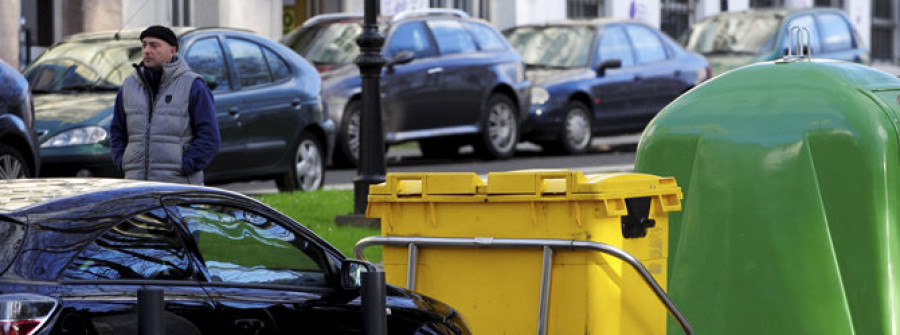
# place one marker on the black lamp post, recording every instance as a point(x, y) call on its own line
point(371, 168)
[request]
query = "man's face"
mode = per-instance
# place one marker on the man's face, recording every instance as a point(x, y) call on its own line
point(156, 51)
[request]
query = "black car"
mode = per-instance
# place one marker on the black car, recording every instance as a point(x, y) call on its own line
point(75, 252)
point(450, 80)
point(611, 76)
point(18, 142)
point(734, 39)
point(268, 104)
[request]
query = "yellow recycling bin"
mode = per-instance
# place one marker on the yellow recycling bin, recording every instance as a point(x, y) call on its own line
point(496, 290)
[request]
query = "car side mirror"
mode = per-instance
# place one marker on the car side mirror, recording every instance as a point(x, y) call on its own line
point(351, 273)
point(211, 82)
point(403, 57)
point(608, 64)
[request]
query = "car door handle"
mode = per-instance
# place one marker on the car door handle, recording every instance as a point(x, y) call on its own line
point(296, 102)
point(435, 70)
point(233, 111)
point(249, 324)
point(638, 78)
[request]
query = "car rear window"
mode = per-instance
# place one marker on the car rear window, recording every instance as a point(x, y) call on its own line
point(486, 37)
point(836, 33)
point(451, 37)
point(11, 236)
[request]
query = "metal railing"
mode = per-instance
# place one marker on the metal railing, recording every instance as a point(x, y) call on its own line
point(547, 245)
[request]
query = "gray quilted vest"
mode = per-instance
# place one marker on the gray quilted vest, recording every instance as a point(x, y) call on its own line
point(159, 136)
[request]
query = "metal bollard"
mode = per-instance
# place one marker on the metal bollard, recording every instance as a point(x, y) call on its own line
point(151, 306)
point(374, 303)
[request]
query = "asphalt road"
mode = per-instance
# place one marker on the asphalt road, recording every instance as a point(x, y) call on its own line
point(608, 154)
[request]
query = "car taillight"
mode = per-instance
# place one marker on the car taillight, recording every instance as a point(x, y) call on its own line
point(24, 314)
point(18, 327)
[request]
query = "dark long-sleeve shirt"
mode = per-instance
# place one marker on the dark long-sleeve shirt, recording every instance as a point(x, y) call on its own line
point(205, 127)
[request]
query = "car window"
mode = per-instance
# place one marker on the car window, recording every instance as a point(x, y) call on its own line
point(205, 57)
point(145, 246)
point(647, 45)
point(451, 37)
point(540, 45)
point(488, 38)
point(249, 62)
point(240, 246)
point(278, 67)
point(804, 21)
point(742, 34)
point(615, 45)
point(836, 34)
point(410, 36)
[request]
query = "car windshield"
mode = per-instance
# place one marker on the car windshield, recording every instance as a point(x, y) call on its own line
point(84, 66)
point(733, 34)
point(327, 45)
point(542, 46)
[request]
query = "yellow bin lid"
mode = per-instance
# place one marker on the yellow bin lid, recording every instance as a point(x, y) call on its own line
point(524, 185)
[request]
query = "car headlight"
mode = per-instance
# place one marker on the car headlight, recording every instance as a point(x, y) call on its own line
point(539, 95)
point(77, 136)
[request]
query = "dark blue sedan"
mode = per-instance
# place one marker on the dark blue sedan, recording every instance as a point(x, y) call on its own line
point(75, 252)
point(599, 77)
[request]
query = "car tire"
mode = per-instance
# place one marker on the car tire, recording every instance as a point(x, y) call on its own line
point(575, 131)
point(438, 148)
point(307, 170)
point(500, 129)
point(12, 164)
point(346, 152)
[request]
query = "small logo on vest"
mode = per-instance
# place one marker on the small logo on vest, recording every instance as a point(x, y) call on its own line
point(168, 98)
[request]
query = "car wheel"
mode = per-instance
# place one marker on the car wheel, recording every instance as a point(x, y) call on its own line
point(12, 164)
point(575, 136)
point(347, 149)
point(307, 171)
point(500, 131)
point(438, 148)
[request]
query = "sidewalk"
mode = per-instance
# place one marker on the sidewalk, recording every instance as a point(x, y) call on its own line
point(888, 67)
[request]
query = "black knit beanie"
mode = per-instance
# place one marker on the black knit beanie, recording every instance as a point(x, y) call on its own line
point(162, 33)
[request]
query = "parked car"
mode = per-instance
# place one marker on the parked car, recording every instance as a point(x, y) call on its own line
point(449, 80)
point(268, 102)
point(613, 76)
point(731, 40)
point(75, 252)
point(18, 143)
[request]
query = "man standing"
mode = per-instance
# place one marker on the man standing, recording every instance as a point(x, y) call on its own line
point(164, 126)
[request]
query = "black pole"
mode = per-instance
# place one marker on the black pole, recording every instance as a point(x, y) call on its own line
point(150, 310)
point(371, 167)
point(373, 303)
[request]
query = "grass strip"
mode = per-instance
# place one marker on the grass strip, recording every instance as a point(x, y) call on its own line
point(317, 210)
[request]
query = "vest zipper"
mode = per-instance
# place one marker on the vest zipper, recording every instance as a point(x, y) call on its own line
point(152, 102)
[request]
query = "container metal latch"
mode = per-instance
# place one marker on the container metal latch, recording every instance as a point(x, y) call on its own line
point(636, 222)
point(800, 39)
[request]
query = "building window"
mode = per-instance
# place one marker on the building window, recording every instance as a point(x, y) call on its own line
point(766, 3)
point(475, 8)
point(584, 9)
point(675, 16)
point(830, 3)
point(882, 30)
point(181, 12)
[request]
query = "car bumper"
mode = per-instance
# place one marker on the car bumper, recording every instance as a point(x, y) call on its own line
point(543, 122)
point(82, 161)
point(523, 92)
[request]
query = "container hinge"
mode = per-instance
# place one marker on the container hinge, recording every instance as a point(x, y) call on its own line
point(637, 221)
